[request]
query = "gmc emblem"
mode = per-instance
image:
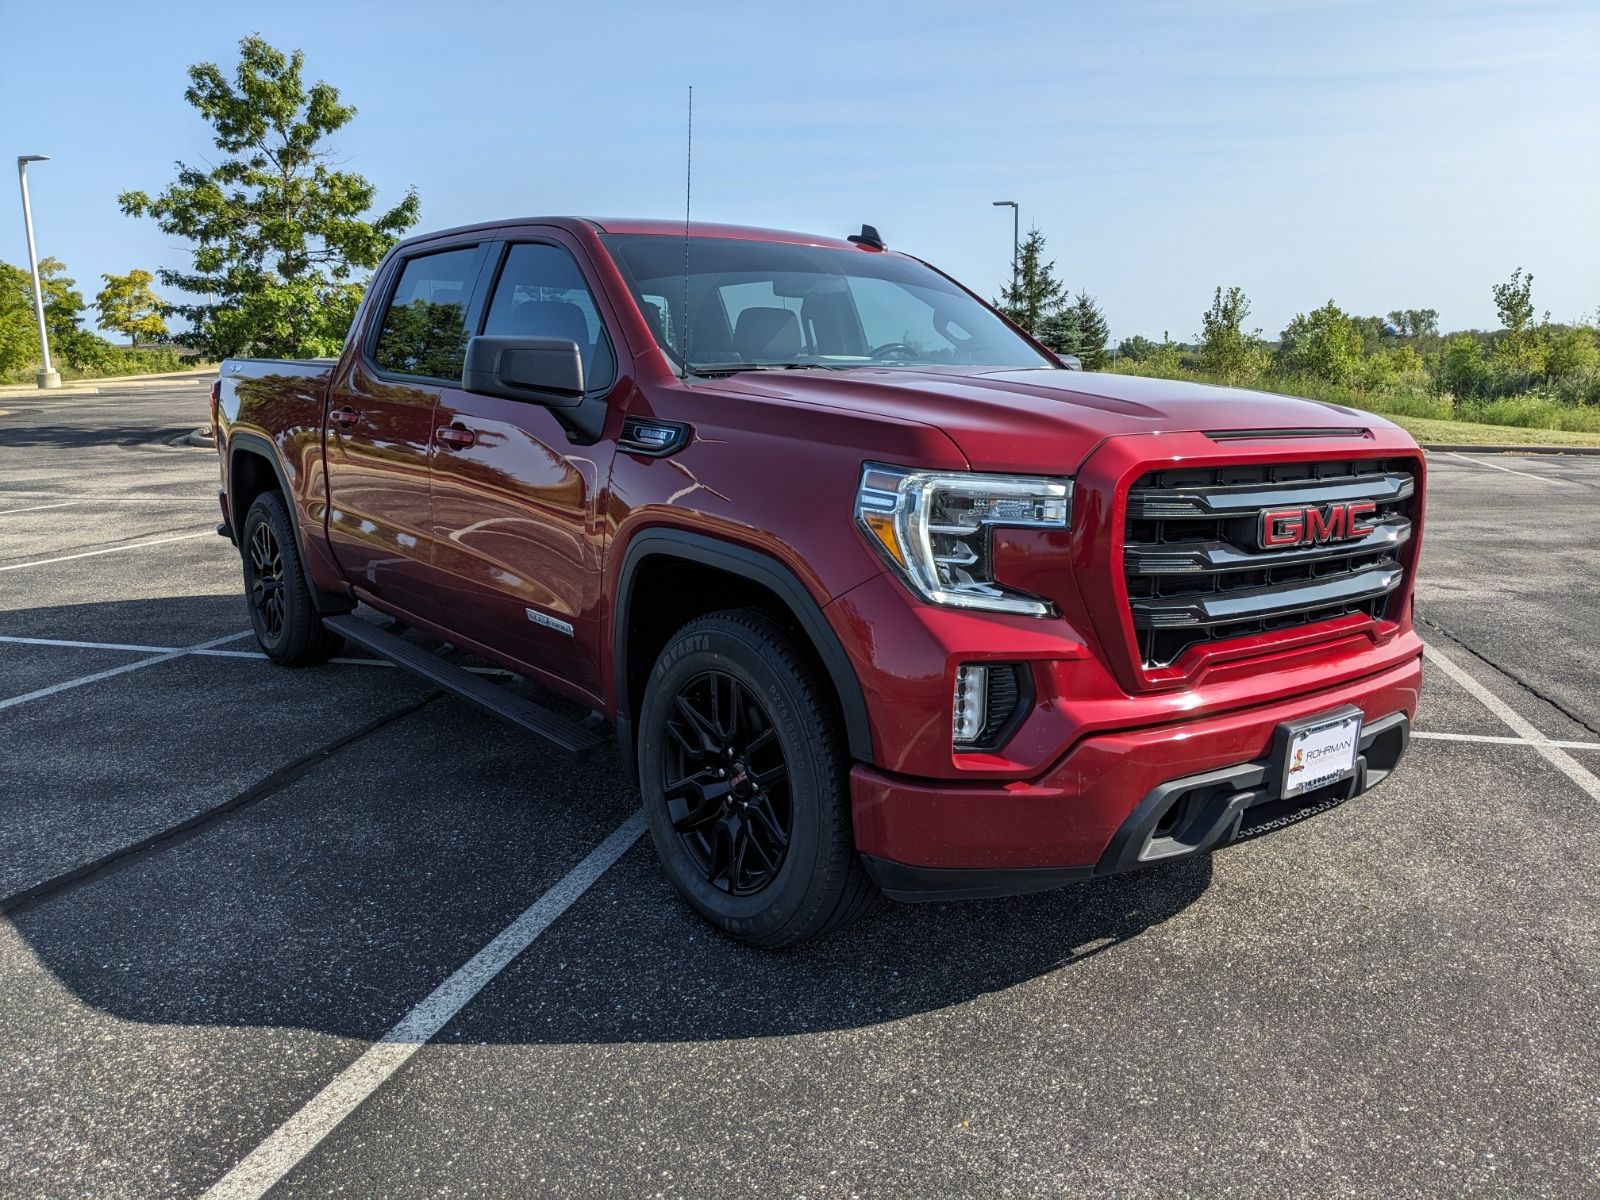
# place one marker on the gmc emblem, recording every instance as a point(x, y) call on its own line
point(1316, 525)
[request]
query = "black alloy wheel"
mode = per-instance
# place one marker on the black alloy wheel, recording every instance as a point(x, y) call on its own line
point(266, 579)
point(744, 776)
point(286, 623)
point(726, 784)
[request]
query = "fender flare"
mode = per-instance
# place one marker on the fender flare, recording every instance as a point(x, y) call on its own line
point(254, 444)
point(758, 568)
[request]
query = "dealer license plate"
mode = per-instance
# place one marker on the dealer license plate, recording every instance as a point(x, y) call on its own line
point(1320, 752)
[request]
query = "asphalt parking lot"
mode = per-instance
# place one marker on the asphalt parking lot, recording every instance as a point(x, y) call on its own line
point(328, 931)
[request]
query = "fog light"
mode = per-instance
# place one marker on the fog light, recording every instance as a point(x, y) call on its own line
point(970, 710)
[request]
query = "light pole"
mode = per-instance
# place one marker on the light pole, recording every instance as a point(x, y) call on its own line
point(48, 376)
point(1015, 242)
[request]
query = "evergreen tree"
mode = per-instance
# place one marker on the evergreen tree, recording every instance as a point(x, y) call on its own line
point(1092, 330)
point(1036, 293)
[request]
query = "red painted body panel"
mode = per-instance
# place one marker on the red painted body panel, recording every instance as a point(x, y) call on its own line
point(1067, 817)
point(378, 525)
point(464, 540)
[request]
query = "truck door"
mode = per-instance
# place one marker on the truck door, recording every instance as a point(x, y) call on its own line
point(518, 537)
point(381, 424)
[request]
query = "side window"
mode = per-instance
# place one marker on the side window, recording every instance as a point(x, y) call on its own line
point(541, 294)
point(424, 330)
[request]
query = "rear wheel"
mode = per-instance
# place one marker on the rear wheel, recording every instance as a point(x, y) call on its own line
point(745, 777)
point(285, 622)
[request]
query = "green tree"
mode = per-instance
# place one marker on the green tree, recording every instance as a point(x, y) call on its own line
point(1036, 293)
point(1092, 331)
point(1137, 348)
point(1325, 343)
point(1060, 330)
point(19, 338)
point(1225, 348)
point(282, 238)
point(1573, 350)
point(1415, 323)
point(1521, 347)
point(63, 309)
point(1167, 359)
point(1461, 370)
point(128, 305)
point(63, 303)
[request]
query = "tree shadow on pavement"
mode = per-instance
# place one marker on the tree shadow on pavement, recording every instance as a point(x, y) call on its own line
point(17, 435)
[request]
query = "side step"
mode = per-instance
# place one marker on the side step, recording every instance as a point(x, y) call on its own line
point(559, 731)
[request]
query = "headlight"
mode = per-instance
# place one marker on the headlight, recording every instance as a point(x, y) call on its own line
point(934, 527)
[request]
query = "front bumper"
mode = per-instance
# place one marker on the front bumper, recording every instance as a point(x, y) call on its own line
point(1116, 801)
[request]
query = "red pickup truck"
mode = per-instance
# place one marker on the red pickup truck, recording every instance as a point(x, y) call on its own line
point(875, 594)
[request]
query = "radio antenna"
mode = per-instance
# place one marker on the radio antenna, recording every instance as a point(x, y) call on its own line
point(688, 193)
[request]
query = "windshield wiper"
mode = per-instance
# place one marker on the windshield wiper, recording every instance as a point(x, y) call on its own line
point(735, 368)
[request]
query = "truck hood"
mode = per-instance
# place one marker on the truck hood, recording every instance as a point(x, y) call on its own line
point(1046, 421)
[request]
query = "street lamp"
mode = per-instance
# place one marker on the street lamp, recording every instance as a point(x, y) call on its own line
point(1015, 242)
point(48, 376)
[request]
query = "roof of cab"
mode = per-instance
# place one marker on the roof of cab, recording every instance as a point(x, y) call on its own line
point(644, 226)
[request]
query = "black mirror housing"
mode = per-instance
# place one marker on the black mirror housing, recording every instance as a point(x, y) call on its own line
point(547, 371)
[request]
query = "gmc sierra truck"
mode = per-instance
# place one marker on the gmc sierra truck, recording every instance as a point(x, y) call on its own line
point(874, 593)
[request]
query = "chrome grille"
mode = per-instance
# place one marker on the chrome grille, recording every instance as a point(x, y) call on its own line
point(1196, 572)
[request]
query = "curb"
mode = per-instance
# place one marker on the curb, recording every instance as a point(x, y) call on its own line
point(1469, 449)
point(91, 387)
point(14, 395)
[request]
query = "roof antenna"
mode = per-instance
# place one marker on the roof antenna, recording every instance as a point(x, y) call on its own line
point(688, 192)
point(867, 237)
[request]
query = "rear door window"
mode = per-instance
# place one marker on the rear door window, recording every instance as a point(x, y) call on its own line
point(424, 328)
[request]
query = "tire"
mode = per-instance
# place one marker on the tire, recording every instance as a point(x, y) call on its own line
point(784, 765)
point(286, 623)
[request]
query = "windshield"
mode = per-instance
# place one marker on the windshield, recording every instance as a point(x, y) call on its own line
point(744, 305)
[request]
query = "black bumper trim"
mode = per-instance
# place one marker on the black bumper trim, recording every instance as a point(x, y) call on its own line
point(1215, 816)
point(912, 885)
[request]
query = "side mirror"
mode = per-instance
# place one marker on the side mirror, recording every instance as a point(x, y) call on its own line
point(547, 371)
point(1070, 361)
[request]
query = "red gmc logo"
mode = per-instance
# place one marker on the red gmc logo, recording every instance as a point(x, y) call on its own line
point(1317, 524)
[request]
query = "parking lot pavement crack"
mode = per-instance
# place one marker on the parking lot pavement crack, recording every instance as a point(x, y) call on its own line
point(1533, 691)
point(275, 781)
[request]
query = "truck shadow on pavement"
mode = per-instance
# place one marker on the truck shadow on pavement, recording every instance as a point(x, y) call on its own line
point(628, 964)
point(343, 893)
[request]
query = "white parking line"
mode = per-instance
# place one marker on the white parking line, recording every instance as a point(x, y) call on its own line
point(1478, 462)
point(1497, 740)
point(1559, 758)
point(69, 645)
point(6, 512)
point(275, 1157)
point(133, 648)
point(43, 562)
point(111, 500)
point(164, 656)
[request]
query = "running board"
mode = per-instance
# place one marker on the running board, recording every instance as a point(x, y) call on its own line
point(561, 732)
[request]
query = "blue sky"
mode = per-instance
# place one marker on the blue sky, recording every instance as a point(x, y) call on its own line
point(1385, 154)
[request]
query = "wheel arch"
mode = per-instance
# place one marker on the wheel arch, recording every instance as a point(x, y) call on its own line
point(246, 482)
point(653, 546)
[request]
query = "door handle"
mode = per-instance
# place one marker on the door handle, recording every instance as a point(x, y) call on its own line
point(344, 418)
point(457, 437)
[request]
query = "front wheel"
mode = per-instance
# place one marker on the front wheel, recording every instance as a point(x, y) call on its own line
point(285, 622)
point(745, 777)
